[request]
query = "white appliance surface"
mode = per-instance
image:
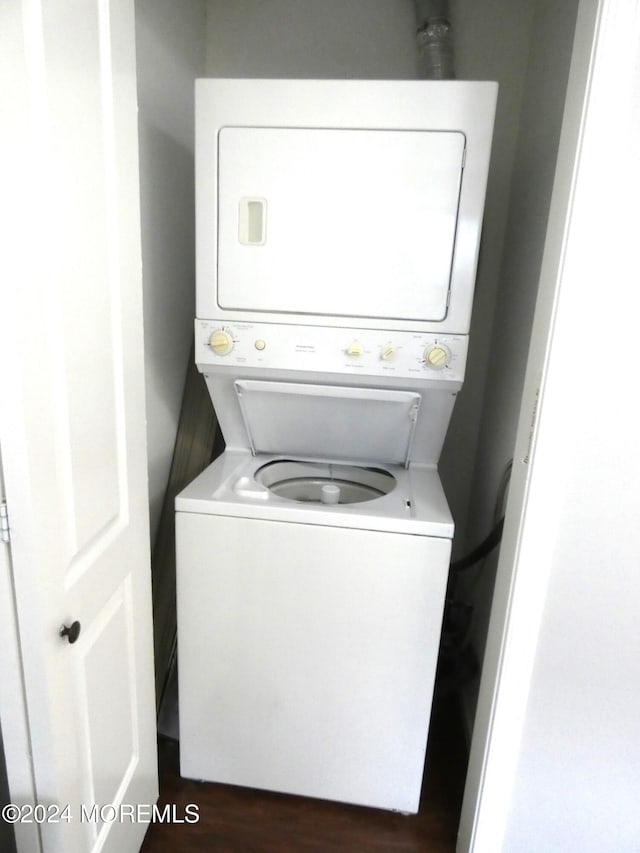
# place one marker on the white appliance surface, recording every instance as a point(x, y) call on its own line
point(328, 421)
point(350, 361)
point(338, 225)
point(417, 505)
point(382, 200)
point(388, 354)
point(307, 656)
point(319, 625)
point(347, 203)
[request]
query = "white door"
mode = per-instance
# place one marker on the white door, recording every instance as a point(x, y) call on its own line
point(72, 417)
point(555, 750)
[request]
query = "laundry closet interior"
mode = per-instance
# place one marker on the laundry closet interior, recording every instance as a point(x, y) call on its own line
point(526, 48)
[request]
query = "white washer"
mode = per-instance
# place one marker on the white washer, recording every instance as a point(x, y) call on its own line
point(312, 562)
point(338, 225)
point(308, 637)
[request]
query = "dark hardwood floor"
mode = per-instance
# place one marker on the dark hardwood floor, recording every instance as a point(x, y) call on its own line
point(240, 820)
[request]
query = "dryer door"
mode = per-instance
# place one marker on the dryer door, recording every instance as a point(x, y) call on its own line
point(349, 223)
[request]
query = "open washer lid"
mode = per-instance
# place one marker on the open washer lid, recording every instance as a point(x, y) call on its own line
point(328, 421)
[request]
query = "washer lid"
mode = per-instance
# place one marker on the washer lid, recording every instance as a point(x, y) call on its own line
point(328, 421)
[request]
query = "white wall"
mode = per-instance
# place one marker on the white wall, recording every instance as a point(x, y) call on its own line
point(492, 42)
point(170, 55)
point(577, 783)
point(556, 747)
point(365, 39)
point(533, 167)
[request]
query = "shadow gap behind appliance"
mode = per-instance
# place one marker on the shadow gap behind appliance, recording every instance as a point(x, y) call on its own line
point(338, 225)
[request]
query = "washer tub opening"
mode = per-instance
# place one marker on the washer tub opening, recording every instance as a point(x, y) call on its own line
point(324, 483)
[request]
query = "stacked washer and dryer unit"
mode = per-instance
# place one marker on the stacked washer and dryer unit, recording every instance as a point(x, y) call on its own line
point(338, 225)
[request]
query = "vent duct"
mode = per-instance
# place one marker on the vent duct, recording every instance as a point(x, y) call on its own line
point(434, 40)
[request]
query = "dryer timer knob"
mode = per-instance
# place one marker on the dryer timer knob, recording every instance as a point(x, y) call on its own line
point(221, 342)
point(437, 356)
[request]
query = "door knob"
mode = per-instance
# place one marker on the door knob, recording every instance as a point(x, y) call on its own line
point(71, 632)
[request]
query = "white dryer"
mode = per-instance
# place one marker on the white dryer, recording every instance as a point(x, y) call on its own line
point(338, 225)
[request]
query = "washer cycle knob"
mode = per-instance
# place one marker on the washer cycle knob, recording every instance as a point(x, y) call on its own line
point(221, 342)
point(437, 356)
point(388, 352)
point(355, 349)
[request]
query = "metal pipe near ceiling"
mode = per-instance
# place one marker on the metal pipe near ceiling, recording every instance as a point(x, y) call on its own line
point(434, 40)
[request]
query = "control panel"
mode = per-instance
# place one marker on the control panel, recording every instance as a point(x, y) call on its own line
point(321, 349)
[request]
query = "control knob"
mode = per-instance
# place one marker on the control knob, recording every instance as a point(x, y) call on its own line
point(388, 352)
point(221, 342)
point(437, 356)
point(355, 349)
